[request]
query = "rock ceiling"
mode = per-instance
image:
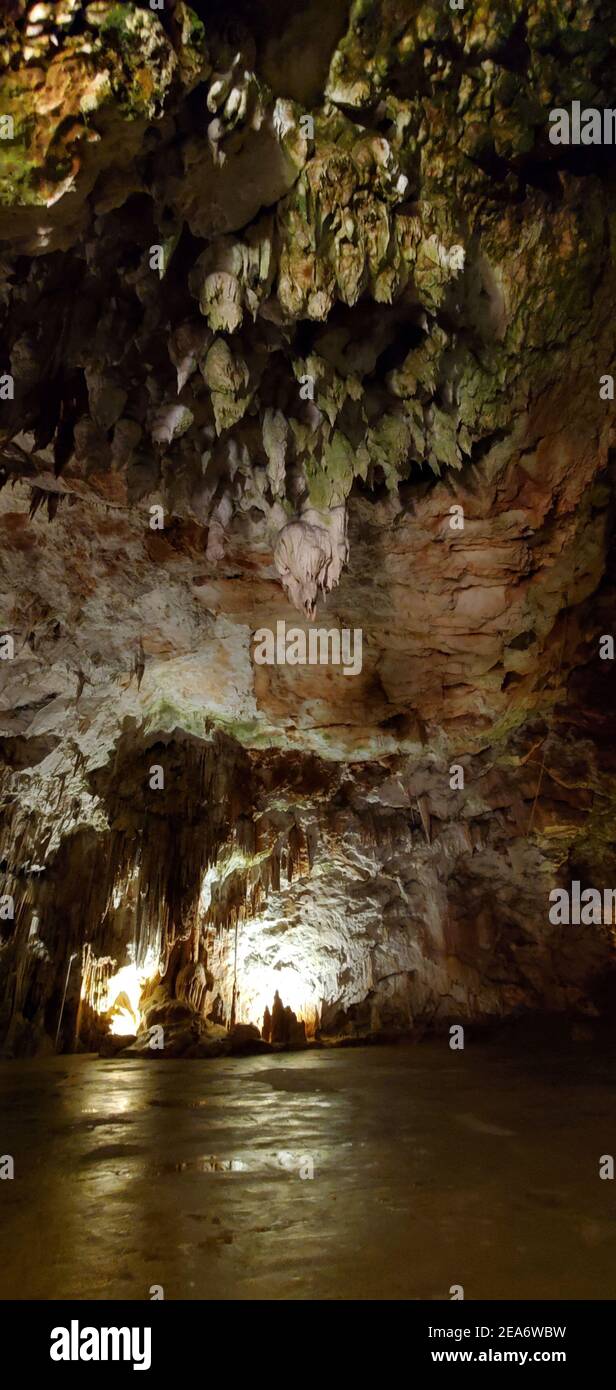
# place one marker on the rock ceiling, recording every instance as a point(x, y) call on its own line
point(304, 320)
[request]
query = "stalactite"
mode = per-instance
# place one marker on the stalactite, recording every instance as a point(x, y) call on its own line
point(96, 974)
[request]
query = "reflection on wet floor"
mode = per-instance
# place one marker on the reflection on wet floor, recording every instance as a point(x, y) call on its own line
point(390, 1172)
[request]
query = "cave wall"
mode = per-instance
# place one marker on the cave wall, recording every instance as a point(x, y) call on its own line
point(305, 318)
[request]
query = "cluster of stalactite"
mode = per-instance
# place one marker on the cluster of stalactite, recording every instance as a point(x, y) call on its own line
point(135, 882)
point(95, 976)
point(133, 886)
point(243, 892)
point(245, 209)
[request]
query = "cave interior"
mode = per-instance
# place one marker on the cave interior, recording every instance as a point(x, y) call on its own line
point(305, 324)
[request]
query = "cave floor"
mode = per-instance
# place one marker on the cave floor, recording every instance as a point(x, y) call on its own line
point(431, 1168)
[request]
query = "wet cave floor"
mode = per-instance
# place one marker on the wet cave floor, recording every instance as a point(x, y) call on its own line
point(429, 1168)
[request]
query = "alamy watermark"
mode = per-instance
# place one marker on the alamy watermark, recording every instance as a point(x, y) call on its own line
point(292, 646)
point(588, 908)
point(587, 126)
point(76, 1343)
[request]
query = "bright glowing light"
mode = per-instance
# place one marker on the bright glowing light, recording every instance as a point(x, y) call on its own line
point(123, 995)
point(258, 987)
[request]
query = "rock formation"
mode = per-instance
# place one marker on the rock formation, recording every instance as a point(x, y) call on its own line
point(303, 318)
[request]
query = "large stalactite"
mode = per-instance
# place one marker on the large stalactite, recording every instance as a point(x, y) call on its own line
point(304, 319)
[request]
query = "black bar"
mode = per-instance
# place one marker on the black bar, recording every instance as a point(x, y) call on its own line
point(181, 1336)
